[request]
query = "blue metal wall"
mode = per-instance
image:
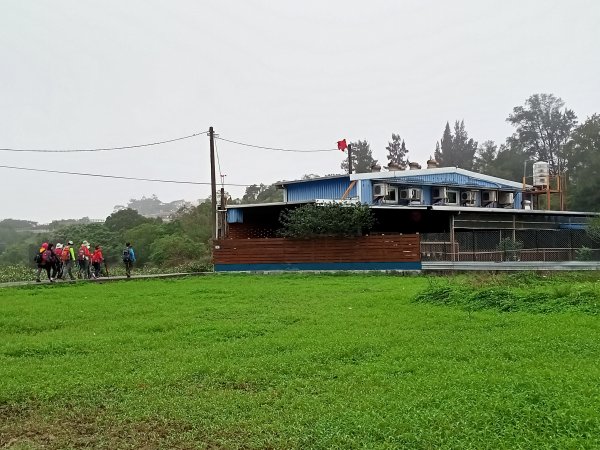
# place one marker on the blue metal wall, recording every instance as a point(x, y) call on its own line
point(331, 189)
point(235, 215)
point(366, 192)
point(518, 199)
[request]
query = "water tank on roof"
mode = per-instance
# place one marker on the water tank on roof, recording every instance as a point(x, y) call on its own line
point(541, 174)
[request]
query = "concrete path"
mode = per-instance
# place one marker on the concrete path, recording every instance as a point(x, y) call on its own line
point(103, 279)
point(435, 266)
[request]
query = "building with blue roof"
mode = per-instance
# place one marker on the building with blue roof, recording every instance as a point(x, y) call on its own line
point(457, 212)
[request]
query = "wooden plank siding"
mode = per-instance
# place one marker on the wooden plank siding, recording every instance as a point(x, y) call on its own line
point(365, 249)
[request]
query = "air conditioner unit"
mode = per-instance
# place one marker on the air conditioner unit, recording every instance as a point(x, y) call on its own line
point(506, 198)
point(468, 197)
point(489, 196)
point(438, 193)
point(380, 190)
point(416, 195)
point(392, 196)
point(412, 194)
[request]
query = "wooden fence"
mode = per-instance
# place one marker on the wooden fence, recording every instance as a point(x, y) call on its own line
point(393, 252)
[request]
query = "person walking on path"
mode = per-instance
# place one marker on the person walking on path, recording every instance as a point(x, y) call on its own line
point(128, 258)
point(68, 257)
point(97, 259)
point(83, 259)
point(57, 266)
point(45, 261)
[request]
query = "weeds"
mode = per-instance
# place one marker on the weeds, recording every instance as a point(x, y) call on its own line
point(536, 293)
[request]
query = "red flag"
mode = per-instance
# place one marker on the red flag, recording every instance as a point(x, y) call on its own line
point(342, 145)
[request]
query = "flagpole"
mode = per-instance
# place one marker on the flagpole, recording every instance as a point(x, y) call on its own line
point(349, 159)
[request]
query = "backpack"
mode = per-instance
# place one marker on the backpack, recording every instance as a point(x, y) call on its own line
point(46, 256)
point(80, 254)
point(126, 255)
point(66, 253)
point(38, 258)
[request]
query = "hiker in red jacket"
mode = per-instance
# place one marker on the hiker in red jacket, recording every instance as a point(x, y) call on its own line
point(83, 260)
point(57, 266)
point(45, 260)
point(97, 259)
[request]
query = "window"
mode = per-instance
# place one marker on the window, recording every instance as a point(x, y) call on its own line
point(452, 198)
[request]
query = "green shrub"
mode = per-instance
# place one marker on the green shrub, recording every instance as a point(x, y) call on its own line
point(584, 254)
point(593, 229)
point(511, 249)
point(330, 219)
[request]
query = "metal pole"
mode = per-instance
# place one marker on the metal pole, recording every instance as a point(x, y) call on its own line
point(453, 255)
point(223, 221)
point(349, 159)
point(213, 184)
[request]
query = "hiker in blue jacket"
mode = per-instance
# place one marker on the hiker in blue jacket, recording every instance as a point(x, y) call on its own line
point(128, 258)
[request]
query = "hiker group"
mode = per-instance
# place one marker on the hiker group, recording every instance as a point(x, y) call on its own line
point(59, 261)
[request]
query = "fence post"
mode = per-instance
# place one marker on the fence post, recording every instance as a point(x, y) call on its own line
point(453, 253)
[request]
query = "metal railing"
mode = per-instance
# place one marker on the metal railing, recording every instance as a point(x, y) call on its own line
point(509, 245)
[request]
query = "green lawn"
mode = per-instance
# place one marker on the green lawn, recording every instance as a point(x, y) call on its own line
point(293, 361)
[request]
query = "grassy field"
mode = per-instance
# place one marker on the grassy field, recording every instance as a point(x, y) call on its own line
point(303, 361)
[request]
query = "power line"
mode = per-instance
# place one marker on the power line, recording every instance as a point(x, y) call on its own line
point(276, 148)
point(155, 180)
point(219, 165)
point(101, 149)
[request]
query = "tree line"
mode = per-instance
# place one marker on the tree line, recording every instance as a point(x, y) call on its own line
point(545, 130)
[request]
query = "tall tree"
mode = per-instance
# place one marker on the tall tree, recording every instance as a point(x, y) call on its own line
point(437, 154)
point(445, 147)
point(584, 166)
point(508, 163)
point(485, 157)
point(397, 150)
point(362, 157)
point(456, 149)
point(126, 219)
point(463, 148)
point(262, 193)
point(543, 128)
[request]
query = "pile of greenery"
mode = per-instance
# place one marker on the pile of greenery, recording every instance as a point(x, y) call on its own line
point(531, 292)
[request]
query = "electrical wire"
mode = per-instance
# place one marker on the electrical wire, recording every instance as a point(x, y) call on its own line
point(218, 161)
point(101, 149)
point(276, 148)
point(155, 180)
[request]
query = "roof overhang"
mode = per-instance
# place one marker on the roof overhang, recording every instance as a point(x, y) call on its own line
point(512, 211)
point(437, 171)
point(284, 183)
point(263, 205)
point(458, 209)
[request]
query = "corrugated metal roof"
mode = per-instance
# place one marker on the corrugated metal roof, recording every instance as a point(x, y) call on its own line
point(400, 174)
point(283, 183)
point(330, 188)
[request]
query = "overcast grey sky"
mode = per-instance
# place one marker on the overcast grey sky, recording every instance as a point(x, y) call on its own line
point(275, 73)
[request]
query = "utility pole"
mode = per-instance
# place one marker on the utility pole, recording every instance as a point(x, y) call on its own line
point(349, 159)
point(223, 210)
point(213, 184)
